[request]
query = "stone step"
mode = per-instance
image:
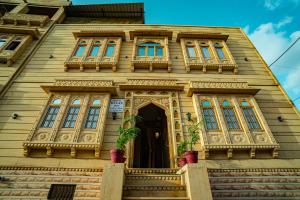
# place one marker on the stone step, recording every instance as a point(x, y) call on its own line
point(155, 198)
point(151, 171)
point(154, 191)
point(152, 179)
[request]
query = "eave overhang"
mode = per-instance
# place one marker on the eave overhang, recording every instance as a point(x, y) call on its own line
point(151, 84)
point(100, 33)
point(156, 33)
point(209, 87)
point(81, 86)
point(201, 35)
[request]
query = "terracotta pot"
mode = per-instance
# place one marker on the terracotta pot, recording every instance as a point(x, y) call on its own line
point(117, 156)
point(182, 161)
point(191, 156)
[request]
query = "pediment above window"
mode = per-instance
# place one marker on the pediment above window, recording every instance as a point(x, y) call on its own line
point(201, 35)
point(99, 33)
point(151, 84)
point(209, 87)
point(80, 86)
point(147, 33)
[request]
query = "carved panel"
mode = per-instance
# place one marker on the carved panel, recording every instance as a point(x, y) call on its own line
point(136, 100)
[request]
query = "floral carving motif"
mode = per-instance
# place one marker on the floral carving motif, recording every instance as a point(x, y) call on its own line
point(210, 84)
point(83, 83)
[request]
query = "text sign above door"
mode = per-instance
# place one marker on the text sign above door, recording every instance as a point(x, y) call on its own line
point(116, 105)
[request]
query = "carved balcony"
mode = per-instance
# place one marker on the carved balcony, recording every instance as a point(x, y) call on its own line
point(148, 62)
point(25, 19)
point(211, 64)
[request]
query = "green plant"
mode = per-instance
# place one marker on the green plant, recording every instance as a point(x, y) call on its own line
point(125, 134)
point(182, 147)
point(193, 130)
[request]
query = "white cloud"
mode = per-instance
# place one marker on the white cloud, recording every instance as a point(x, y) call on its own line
point(271, 42)
point(284, 21)
point(273, 4)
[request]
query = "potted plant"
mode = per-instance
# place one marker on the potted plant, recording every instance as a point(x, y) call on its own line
point(193, 131)
point(181, 150)
point(126, 131)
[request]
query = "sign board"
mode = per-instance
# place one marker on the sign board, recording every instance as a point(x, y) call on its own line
point(116, 105)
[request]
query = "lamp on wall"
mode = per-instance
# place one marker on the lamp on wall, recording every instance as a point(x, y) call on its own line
point(114, 115)
point(280, 119)
point(188, 116)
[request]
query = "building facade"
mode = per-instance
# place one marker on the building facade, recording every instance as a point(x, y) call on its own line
point(71, 74)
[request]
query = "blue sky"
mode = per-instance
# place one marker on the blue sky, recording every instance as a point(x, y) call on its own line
point(272, 25)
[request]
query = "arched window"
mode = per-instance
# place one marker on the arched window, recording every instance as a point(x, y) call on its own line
point(51, 114)
point(219, 50)
point(209, 116)
point(95, 49)
point(80, 49)
point(93, 113)
point(110, 49)
point(72, 114)
point(250, 116)
point(229, 116)
point(150, 49)
point(205, 50)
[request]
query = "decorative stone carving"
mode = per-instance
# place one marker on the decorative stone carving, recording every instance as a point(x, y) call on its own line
point(70, 139)
point(151, 84)
point(80, 85)
point(151, 62)
point(223, 87)
point(139, 99)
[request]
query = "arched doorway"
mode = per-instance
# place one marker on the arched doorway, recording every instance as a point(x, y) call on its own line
point(151, 147)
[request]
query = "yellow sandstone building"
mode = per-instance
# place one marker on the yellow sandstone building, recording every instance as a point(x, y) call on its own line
point(70, 74)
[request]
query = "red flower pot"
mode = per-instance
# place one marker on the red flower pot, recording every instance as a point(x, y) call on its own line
point(191, 156)
point(117, 156)
point(182, 161)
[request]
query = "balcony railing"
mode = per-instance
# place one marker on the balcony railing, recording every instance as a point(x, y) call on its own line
point(25, 19)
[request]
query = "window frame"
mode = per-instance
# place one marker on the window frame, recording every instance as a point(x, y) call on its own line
point(66, 115)
point(211, 107)
point(234, 115)
point(146, 49)
point(250, 106)
point(51, 104)
point(91, 105)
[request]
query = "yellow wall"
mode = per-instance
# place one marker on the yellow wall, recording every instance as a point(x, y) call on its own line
point(25, 97)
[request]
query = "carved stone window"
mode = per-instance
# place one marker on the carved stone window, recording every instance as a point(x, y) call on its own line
point(211, 52)
point(11, 46)
point(150, 50)
point(95, 52)
point(71, 121)
point(241, 123)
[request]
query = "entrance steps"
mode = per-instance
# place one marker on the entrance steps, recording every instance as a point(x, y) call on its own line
point(153, 184)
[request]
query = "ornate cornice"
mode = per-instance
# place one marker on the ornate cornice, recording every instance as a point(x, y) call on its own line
point(151, 84)
point(80, 86)
point(51, 169)
point(100, 33)
point(161, 33)
point(220, 88)
point(33, 32)
point(201, 35)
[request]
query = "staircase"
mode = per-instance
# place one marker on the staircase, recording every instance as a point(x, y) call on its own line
point(153, 184)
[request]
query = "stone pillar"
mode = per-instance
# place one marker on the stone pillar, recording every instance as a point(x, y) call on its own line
point(197, 181)
point(112, 182)
point(21, 8)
